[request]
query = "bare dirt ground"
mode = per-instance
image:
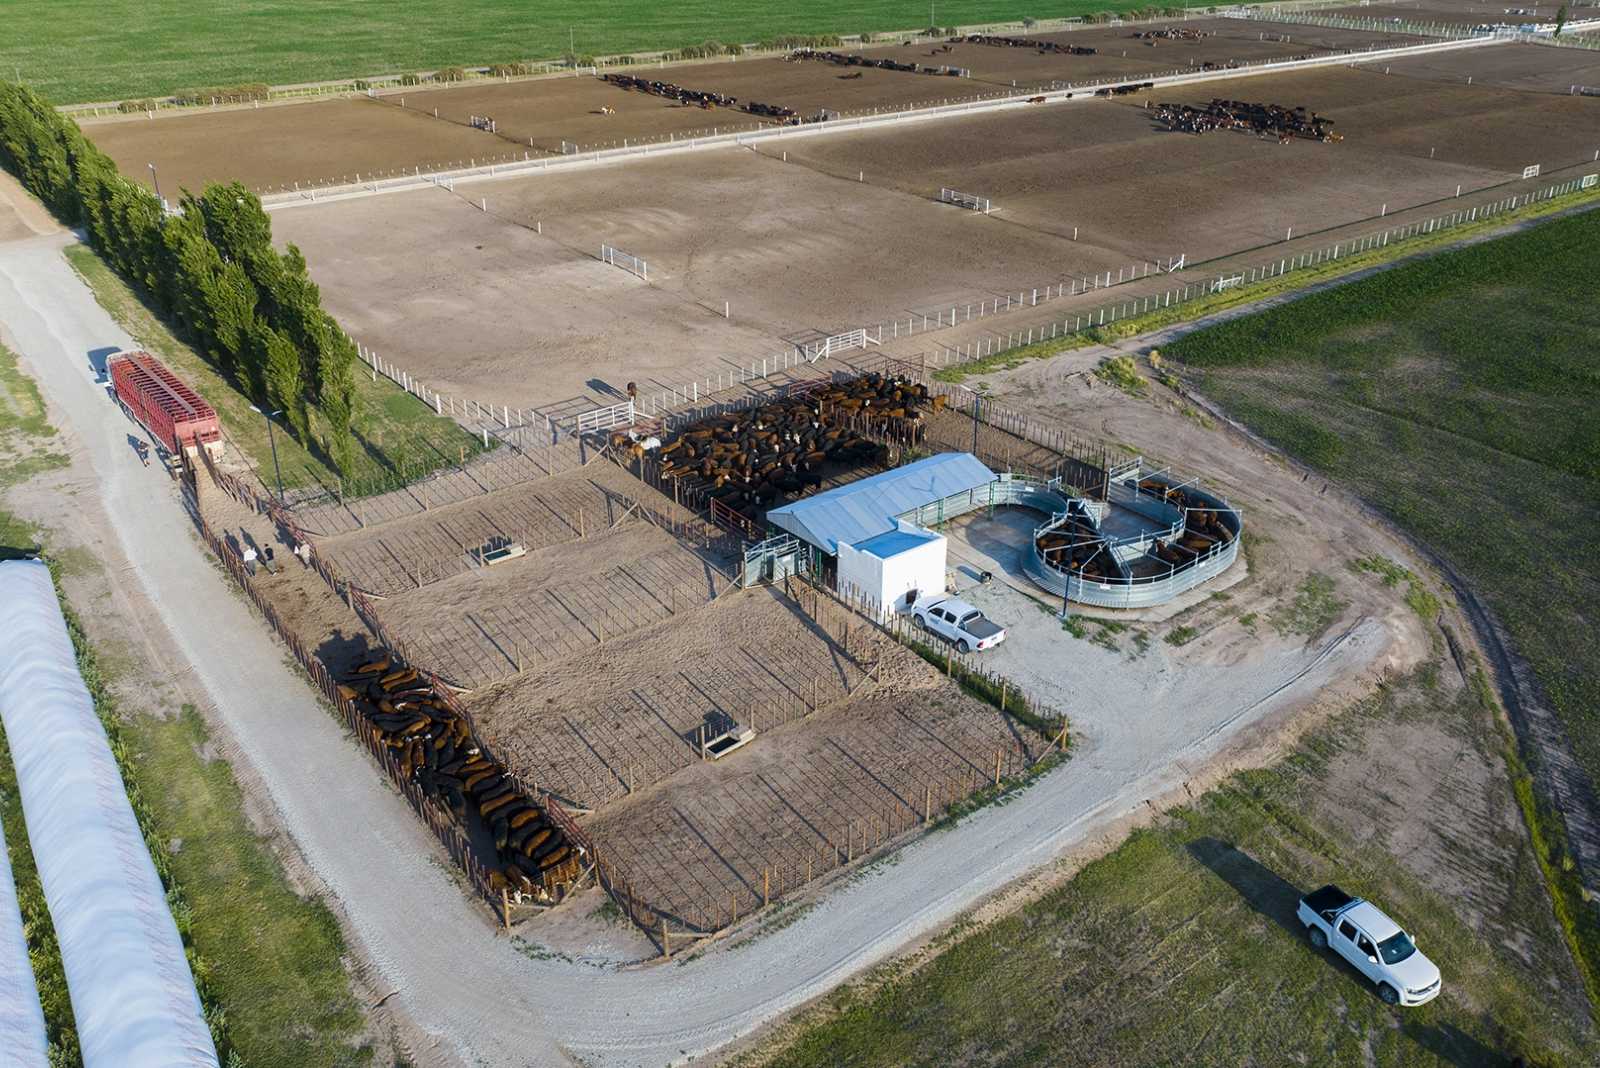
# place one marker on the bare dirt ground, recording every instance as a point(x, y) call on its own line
point(398, 556)
point(1530, 67)
point(1453, 12)
point(591, 726)
point(21, 216)
point(441, 288)
point(1156, 193)
point(271, 149)
point(719, 838)
point(487, 624)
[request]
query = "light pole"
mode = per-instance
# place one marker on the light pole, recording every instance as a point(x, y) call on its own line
point(977, 401)
point(157, 182)
point(274, 440)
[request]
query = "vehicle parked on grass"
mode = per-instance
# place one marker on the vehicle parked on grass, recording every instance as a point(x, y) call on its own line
point(1362, 934)
point(959, 623)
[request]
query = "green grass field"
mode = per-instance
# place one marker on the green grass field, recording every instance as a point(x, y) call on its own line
point(1461, 395)
point(399, 437)
point(75, 50)
point(1181, 946)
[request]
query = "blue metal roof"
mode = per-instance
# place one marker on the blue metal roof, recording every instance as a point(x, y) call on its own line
point(866, 508)
point(895, 542)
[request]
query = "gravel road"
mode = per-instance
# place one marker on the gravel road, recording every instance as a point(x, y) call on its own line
point(486, 1003)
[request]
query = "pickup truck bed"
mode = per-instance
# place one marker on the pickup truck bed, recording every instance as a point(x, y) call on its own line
point(1327, 900)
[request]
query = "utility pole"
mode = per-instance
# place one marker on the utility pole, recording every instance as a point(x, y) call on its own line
point(271, 437)
point(157, 181)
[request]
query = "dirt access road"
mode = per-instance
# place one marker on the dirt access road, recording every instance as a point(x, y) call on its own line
point(482, 1000)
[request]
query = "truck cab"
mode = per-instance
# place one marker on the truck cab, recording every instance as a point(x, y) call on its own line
point(1374, 944)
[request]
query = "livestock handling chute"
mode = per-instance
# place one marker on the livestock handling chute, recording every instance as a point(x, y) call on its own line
point(176, 416)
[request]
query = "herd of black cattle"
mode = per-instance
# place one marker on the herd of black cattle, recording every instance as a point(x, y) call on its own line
point(748, 460)
point(704, 98)
point(854, 59)
point(1040, 45)
point(434, 748)
point(1125, 90)
point(1263, 120)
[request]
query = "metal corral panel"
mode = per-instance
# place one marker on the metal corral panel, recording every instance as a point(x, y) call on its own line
point(867, 508)
point(133, 998)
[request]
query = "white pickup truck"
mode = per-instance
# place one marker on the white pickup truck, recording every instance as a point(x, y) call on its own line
point(1360, 932)
point(958, 622)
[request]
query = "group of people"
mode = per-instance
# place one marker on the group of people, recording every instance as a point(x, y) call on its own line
point(1263, 120)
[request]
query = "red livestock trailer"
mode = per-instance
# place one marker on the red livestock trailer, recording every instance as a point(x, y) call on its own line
point(159, 401)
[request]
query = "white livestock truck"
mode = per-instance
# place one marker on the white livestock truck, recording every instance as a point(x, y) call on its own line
point(1360, 933)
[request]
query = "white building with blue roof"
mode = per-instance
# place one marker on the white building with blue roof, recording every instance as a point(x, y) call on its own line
point(876, 554)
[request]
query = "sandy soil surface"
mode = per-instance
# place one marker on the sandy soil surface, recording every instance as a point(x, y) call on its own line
point(717, 840)
point(1456, 12)
point(487, 624)
point(273, 148)
point(21, 216)
point(440, 287)
point(1539, 68)
point(631, 713)
point(443, 289)
point(391, 558)
point(1157, 193)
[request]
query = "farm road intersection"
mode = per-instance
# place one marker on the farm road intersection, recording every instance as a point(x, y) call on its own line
point(484, 1002)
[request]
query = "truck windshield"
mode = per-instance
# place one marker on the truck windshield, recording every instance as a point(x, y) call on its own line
point(1396, 948)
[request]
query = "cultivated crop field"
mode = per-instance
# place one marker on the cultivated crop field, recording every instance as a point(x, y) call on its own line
point(188, 44)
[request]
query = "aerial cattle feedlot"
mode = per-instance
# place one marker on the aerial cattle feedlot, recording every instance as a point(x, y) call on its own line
point(721, 394)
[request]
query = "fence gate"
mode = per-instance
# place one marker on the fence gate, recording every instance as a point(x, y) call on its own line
point(606, 418)
point(773, 560)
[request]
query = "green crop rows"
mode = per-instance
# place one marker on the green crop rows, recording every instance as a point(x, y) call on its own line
point(75, 50)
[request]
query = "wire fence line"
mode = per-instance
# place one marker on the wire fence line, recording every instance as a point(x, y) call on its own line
point(943, 356)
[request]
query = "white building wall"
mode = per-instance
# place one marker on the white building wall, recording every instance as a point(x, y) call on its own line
point(886, 581)
point(921, 569)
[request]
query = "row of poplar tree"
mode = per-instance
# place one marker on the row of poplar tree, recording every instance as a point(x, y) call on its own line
point(254, 312)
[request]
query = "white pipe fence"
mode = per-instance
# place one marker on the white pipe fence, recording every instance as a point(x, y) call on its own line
point(1078, 322)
